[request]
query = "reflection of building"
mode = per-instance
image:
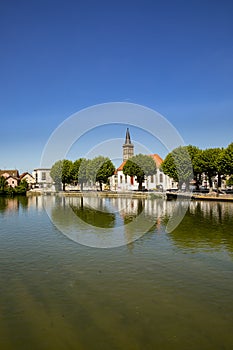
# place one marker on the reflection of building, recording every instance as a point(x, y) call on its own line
point(42, 178)
point(121, 182)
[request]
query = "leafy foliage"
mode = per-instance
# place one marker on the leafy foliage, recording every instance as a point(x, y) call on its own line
point(3, 183)
point(56, 172)
point(61, 172)
point(140, 166)
point(225, 161)
point(178, 164)
point(83, 175)
point(100, 169)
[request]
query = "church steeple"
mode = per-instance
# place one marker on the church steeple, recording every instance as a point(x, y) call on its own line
point(128, 147)
point(127, 137)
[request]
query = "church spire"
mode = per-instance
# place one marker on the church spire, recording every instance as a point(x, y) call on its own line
point(128, 147)
point(127, 137)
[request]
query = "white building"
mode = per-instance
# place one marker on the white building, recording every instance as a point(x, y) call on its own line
point(121, 182)
point(42, 178)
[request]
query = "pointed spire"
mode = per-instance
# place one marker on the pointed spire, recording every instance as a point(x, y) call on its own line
point(128, 147)
point(127, 137)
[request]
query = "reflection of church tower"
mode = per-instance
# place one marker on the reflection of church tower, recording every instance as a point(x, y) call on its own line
point(128, 147)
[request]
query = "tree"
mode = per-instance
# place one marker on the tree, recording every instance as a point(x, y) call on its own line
point(210, 162)
point(225, 161)
point(100, 169)
point(22, 187)
point(75, 170)
point(178, 165)
point(3, 183)
point(61, 173)
point(56, 173)
point(66, 172)
point(140, 166)
point(83, 175)
point(195, 154)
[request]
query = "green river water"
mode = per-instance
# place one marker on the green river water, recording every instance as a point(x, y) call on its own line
point(158, 290)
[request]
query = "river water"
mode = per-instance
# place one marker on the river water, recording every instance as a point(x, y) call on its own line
point(158, 290)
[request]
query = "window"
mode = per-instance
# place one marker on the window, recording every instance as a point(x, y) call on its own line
point(161, 178)
point(152, 179)
point(121, 179)
point(43, 176)
point(126, 179)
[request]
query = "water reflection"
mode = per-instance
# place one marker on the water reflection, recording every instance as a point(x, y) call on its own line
point(103, 222)
point(117, 221)
point(8, 204)
point(100, 218)
point(206, 225)
point(57, 295)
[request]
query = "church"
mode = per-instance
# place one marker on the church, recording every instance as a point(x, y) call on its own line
point(121, 182)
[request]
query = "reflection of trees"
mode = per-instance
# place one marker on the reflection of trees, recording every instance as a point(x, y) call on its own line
point(10, 204)
point(23, 201)
point(3, 203)
point(13, 204)
point(94, 217)
point(205, 225)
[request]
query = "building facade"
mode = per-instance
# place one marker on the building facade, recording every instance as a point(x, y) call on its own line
point(42, 178)
point(121, 182)
point(11, 176)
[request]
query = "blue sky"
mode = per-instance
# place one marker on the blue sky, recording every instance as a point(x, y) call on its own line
point(58, 57)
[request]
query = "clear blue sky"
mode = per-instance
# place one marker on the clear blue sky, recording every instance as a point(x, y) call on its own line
point(58, 57)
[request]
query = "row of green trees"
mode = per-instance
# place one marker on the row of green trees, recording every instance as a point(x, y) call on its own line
point(183, 164)
point(99, 170)
point(5, 189)
point(186, 163)
point(81, 171)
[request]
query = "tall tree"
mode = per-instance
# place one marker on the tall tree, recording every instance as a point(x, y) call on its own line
point(75, 170)
point(83, 175)
point(61, 173)
point(66, 173)
point(3, 183)
point(100, 169)
point(210, 164)
point(195, 154)
point(140, 166)
point(225, 161)
point(56, 173)
point(178, 165)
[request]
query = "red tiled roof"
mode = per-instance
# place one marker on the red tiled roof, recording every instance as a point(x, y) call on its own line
point(13, 173)
point(120, 168)
point(158, 160)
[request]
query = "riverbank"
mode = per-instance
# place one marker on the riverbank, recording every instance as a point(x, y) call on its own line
point(143, 195)
point(104, 194)
point(203, 196)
